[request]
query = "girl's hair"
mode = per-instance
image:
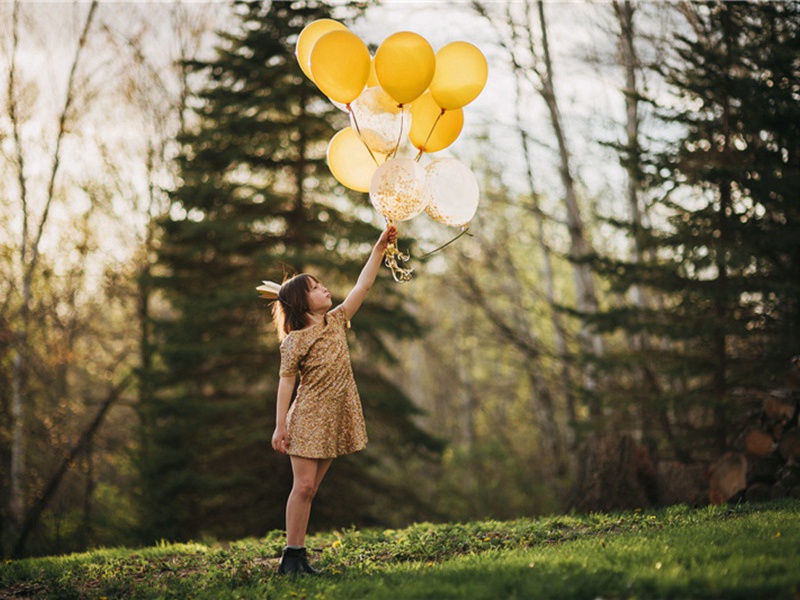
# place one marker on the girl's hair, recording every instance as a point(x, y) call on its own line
point(289, 310)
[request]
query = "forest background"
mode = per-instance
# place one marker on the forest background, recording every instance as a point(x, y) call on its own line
point(627, 297)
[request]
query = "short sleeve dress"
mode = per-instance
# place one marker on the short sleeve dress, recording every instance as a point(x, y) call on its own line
point(326, 419)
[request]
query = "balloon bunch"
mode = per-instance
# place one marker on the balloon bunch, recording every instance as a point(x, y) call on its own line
point(405, 93)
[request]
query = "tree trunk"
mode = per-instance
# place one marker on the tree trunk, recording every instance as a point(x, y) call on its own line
point(30, 247)
point(16, 496)
point(539, 73)
point(719, 337)
point(651, 415)
point(559, 331)
point(579, 245)
point(522, 335)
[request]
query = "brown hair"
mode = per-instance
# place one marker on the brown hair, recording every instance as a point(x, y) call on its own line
point(289, 311)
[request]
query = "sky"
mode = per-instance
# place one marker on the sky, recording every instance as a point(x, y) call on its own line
point(590, 100)
point(589, 96)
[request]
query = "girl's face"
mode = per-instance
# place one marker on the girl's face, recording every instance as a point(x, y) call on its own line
point(319, 298)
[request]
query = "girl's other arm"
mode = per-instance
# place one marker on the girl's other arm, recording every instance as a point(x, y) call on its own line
point(356, 296)
point(280, 440)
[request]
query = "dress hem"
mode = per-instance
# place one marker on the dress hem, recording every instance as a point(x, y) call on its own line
point(328, 456)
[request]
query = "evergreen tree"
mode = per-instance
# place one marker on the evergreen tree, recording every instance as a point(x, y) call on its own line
point(722, 258)
point(256, 201)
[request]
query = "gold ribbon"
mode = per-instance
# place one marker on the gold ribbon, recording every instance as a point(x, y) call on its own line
point(394, 259)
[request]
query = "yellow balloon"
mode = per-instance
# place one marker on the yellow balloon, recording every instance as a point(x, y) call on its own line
point(350, 161)
point(461, 73)
point(309, 36)
point(432, 127)
point(404, 65)
point(340, 65)
point(372, 80)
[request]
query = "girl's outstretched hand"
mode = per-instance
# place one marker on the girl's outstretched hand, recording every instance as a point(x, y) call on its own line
point(389, 236)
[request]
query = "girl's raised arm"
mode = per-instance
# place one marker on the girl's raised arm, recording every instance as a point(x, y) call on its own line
point(356, 296)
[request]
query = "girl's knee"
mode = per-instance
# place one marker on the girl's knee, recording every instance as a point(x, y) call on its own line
point(305, 489)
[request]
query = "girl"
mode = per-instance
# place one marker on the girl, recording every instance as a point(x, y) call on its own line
point(325, 420)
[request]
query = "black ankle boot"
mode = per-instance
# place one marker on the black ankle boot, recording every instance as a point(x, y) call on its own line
point(292, 562)
point(307, 568)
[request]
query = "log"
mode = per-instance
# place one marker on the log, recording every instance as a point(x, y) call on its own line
point(758, 442)
point(758, 492)
point(778, 491)
point(790, 445)
point(789, 475)
point(777, 409)
point(763, 469)
point(681, 483)
point(727, 477)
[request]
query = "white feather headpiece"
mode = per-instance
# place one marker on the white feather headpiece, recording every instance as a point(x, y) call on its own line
point(269, 289)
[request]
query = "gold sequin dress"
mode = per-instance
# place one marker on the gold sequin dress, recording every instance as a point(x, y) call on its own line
point(325, 420)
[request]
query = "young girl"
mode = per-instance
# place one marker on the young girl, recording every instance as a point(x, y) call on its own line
point(325, 420)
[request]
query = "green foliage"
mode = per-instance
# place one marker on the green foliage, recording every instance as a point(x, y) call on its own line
point(720, 263)
point(730, 552)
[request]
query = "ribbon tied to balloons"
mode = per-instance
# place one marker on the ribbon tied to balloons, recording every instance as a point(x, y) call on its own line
point(405, 93)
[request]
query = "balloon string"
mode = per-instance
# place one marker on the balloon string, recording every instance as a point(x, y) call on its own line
point(464, 231)
point(358, 131)
point(399, 133)
point(430, 133)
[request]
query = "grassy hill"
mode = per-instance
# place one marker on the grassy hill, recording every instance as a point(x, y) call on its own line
point(748, 551)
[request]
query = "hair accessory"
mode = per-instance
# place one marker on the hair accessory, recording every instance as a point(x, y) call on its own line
point(269, 289)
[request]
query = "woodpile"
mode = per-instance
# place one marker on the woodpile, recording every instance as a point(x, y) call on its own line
point(618, 472)
point(766, 462)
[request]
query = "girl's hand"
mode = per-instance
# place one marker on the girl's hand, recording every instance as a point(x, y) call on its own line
point(280, 441)
point(389, 236)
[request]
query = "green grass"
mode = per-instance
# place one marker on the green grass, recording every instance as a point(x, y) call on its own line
point(715, 552)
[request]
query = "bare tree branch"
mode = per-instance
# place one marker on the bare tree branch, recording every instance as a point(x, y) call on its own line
point(61, 132)
point(40, 504)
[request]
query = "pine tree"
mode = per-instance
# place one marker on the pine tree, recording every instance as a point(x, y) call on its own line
point(256, 201)
point(722, 259)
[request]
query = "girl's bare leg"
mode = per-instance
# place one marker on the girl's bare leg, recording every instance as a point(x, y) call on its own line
point(308, 474)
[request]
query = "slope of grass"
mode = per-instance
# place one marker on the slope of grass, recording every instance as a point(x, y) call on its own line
point(680, 552)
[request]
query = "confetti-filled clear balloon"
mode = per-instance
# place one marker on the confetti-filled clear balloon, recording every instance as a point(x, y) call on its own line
point(396, 189)
point(451, 192)
point(381, 122)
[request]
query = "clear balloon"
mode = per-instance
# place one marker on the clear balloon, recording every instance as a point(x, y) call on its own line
point(309, 36)
point(350, 161)
point(404, 64)
point(461, 73)
point(381, 122)
point(340, 65)
point(396, 189)
point(451, 192)
point(433, 129)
